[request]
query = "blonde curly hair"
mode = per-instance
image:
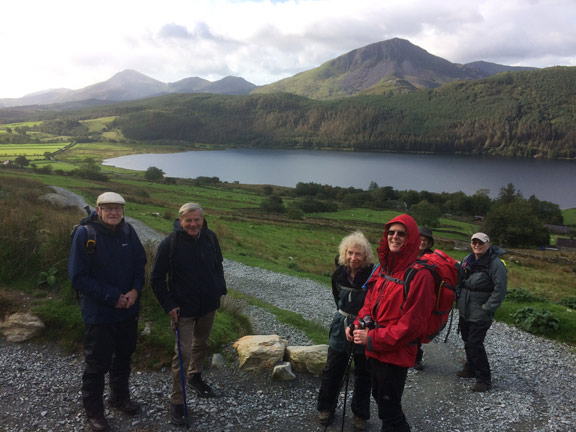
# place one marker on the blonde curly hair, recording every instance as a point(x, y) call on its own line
point(355, 239)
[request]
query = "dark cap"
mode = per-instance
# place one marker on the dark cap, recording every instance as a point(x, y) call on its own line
point(426, 232)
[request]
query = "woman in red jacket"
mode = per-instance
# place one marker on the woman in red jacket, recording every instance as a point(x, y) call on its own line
point(391, 344)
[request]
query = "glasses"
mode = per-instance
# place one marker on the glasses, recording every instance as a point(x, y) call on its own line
point(477, 242)
point(398, 233)
point(117, 209)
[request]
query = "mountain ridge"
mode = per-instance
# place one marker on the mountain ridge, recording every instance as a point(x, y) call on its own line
point(130, 85)
point(392, 66)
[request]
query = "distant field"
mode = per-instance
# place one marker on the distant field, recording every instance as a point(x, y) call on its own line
point(569, 217)
point(98, 124)
point(36, 149)
point(22, 124)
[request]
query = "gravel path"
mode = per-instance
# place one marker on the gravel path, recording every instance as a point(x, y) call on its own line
point(534, 380)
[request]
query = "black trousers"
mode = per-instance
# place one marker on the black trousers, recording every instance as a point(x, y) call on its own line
point(332, 376)
point(473, 335)
point(388, 383)
point(108, 348)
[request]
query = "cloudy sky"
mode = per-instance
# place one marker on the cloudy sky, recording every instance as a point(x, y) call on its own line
point(74, 43)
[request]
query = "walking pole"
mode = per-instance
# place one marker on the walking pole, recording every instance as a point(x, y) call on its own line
point(345, 380)
point(183, 380)
point(347, 376)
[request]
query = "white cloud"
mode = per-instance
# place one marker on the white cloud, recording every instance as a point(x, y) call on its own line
point(68, 43)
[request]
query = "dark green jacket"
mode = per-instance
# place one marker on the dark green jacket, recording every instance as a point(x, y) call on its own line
point(483, 288)
point(349, 297)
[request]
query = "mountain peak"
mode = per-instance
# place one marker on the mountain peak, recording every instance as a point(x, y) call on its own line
point(394, 65)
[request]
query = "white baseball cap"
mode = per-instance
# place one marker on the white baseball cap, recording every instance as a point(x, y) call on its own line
point(110, 198)
point(481, 236)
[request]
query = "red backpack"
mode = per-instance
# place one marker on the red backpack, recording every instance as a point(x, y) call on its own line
point(447, 274)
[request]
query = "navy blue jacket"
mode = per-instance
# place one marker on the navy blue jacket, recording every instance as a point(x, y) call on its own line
point(197, 280)
point(116, 266)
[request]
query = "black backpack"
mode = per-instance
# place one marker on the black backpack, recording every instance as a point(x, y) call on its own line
point(91, 242)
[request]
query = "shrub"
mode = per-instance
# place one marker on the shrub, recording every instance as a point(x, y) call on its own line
point(154, 174)
point(273, 204)
point(520, 295)
point(536, 322)
point(569, 302)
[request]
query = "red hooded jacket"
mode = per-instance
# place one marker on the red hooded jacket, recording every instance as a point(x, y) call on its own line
point(399, 322)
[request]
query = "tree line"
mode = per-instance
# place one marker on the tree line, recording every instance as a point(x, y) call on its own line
point(510, 219)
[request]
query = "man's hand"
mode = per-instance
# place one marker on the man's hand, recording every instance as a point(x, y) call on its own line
point(122, 302)
point(174, 314)
point(131, 297)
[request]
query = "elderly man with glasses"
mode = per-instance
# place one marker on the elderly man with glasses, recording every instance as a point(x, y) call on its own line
point(106, 267)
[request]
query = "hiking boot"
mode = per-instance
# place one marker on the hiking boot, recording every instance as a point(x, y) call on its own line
point(178, 414)
point(419, 365)
point(465, 373)
point(481, 387)
point(200, 387)
point(359, 423)
point(99, 423)
point(324, 417)
point(127, 406)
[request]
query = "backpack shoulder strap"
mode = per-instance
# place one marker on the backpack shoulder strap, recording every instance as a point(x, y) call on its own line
point(171, 252)
point(91, 242)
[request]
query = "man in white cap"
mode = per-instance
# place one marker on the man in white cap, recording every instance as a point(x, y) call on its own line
point(481, 292)
point(106, 267)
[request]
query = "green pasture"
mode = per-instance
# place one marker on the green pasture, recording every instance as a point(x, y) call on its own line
point(569, 216)
point(108, 150)
point(29, 150)
point(12, 126)
point(98, 124)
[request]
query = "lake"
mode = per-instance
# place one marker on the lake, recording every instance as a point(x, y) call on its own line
point(549, 180)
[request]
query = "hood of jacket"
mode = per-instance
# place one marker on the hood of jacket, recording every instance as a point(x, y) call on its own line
point(396, 262)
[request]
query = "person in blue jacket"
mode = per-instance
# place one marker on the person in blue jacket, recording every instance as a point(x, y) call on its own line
point(106, 268)
point(188, 281)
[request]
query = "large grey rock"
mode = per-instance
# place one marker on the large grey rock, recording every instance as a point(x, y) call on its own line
point(260, 351)
point(21, 326)
point(307, 358)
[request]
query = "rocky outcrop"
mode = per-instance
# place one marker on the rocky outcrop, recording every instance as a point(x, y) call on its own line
point(21, 326)
point(273, 352)
point(259, 352)
point(307, 358)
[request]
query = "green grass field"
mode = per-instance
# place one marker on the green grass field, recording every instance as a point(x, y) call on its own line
point(10, 151)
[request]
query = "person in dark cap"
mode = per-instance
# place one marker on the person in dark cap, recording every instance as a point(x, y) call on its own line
point(426, 244)
point(426, 241)
point(481, 292)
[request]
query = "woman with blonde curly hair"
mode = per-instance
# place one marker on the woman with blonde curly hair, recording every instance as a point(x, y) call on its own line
point(354, 265)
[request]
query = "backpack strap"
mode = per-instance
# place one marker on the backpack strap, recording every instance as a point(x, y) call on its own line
point(171, 253)
point(91, 241)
